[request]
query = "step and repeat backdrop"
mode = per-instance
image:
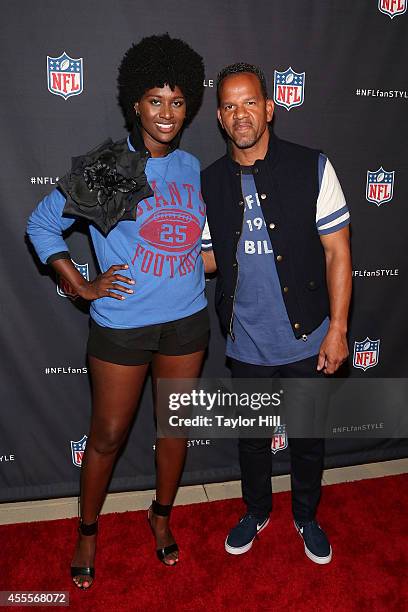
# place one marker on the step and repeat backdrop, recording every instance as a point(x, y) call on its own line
point(337, 73)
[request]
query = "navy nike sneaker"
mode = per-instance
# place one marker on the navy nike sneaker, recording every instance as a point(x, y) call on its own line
point(317, 546)
point(242, 536)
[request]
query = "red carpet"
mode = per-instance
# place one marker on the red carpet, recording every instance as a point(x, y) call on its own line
point(366, 521)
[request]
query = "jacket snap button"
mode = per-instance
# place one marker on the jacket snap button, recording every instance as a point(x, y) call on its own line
point(297, 326)
point(279, 258)
point(263, 196)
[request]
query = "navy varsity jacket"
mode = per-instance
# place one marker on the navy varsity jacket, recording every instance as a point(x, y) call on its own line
point(288, 185)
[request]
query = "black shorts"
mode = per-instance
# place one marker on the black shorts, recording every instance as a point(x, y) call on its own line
point(136, 346)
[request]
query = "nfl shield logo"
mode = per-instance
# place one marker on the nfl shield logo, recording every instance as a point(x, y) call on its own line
point(289, 87)
point(65, 75)
point(279, 439)
point(366, 354)
point(392, 8)
point(77, 450)
point(380, 186)
point(65, 289)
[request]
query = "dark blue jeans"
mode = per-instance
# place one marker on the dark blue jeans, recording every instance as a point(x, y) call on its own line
point(255, 453)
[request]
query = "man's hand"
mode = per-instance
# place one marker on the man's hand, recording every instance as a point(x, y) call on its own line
point(106, 285)
point(333, 351)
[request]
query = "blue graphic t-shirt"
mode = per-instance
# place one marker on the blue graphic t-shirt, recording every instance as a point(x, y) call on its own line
point(263, 333)
point(162, 247)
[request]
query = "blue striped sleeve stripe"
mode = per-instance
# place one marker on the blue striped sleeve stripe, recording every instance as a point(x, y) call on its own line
point(335, 228)
point(335, 215)
point(206, 245)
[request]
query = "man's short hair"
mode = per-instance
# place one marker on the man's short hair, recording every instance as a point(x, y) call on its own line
point(238, 69)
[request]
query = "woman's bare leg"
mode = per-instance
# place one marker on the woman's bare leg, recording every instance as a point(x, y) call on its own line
point(116, 393)
point(171, 452)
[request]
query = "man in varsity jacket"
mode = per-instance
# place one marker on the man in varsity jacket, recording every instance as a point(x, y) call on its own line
point(280, 243)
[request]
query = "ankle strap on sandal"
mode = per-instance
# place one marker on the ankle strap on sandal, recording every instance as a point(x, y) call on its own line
point(88, 529)
point(160, 509)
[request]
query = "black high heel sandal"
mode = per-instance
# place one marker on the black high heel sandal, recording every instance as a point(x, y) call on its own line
point(162, 510)
point(84, 529)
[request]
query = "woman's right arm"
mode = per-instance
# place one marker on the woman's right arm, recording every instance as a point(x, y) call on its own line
point(45, 227)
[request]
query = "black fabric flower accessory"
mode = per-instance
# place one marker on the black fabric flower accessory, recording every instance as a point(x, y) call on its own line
point(105, 185)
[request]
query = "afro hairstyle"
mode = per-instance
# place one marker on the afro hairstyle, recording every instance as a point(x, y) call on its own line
point(154, 62)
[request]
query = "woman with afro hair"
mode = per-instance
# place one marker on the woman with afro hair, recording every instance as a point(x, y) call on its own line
point(141, 197)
